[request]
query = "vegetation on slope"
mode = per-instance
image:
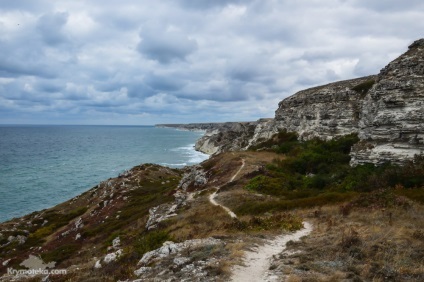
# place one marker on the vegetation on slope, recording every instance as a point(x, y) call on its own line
point(316, 172)
point(283, 182)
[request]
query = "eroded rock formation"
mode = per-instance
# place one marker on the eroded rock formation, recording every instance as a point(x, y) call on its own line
point(391, 126)
point(324, 111)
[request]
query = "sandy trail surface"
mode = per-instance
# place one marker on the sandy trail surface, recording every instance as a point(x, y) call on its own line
point(213, 195)
point(257, 261)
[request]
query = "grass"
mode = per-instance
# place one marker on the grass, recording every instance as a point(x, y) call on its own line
point(328, 198)
point(364, 87)
point(140, 201)
point(316, 173)
point(150, 241)
point(369, 244)
point(365, 225)
point(61, 253)
point(276, 221)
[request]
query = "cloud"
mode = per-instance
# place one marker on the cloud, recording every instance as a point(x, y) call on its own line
point(50, 27)
point(164, 83)
point(206, 4)
point(165, 44)
point(187, 61)
point(389, 5)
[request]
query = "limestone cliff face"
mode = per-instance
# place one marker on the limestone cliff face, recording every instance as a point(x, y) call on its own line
point(230, 136)
point(391, 126)
point(324, 111)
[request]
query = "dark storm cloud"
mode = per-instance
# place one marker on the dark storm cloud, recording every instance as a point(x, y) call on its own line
point(106, 86)
point(165, 46)
point(50, 27)
point(139, 90)
point(13, 67)
point(163, 83)
point(49, 86)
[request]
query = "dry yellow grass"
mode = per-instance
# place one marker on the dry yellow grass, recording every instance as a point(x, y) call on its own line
point(375, 245)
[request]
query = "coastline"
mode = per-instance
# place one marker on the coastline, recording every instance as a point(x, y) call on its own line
point(189, 155)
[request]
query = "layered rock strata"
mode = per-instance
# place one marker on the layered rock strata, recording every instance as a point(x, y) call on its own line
point(232, 136)
point(391, 126)
point(324, 111)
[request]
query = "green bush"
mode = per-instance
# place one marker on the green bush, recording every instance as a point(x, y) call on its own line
point(314, 168)
point(364, 87)
point(61, 253)
point(416, 194)
point(327, 198)
point(276, 221)
point(150, 241)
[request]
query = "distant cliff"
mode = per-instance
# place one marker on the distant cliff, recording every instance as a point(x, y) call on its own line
point(193, 126)
point(222, 137)
point(385, 110)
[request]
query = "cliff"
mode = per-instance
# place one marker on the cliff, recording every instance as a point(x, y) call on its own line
point(228, 136)
point(324, 111)
point(391, 126)
point(193, 126)
point(385, 110)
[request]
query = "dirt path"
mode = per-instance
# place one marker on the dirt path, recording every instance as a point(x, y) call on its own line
point(213, 195)
point(257, 262)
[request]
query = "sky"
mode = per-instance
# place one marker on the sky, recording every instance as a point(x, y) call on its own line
point(182, 61)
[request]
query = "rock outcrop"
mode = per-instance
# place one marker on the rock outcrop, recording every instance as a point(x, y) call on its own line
point(324, 111)
point(223, 137)
point(391, 126)
point(231, 136)
point(192, 180)
point(191, 260)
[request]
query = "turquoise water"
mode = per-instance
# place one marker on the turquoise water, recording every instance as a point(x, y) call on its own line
point(41, 166)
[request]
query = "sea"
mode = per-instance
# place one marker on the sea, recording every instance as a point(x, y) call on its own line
point(44, 165)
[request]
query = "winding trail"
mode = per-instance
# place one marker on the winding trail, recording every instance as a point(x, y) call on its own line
point(257, 262)
point(213, 195)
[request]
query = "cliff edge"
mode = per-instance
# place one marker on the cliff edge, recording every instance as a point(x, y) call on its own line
point(391, 126)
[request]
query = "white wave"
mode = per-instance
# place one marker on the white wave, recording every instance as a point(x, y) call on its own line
point(193, 156)
point(184, 148)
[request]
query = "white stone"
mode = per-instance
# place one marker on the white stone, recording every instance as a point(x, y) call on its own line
point(78, 223)
point(21, 239)
point(169, 248)
point(181, 260)
point(98, 265)
point(116, 242)
point(142, 270)
point(112, 256)
point(6, 262)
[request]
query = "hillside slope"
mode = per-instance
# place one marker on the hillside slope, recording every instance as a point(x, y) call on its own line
point(198, 223)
